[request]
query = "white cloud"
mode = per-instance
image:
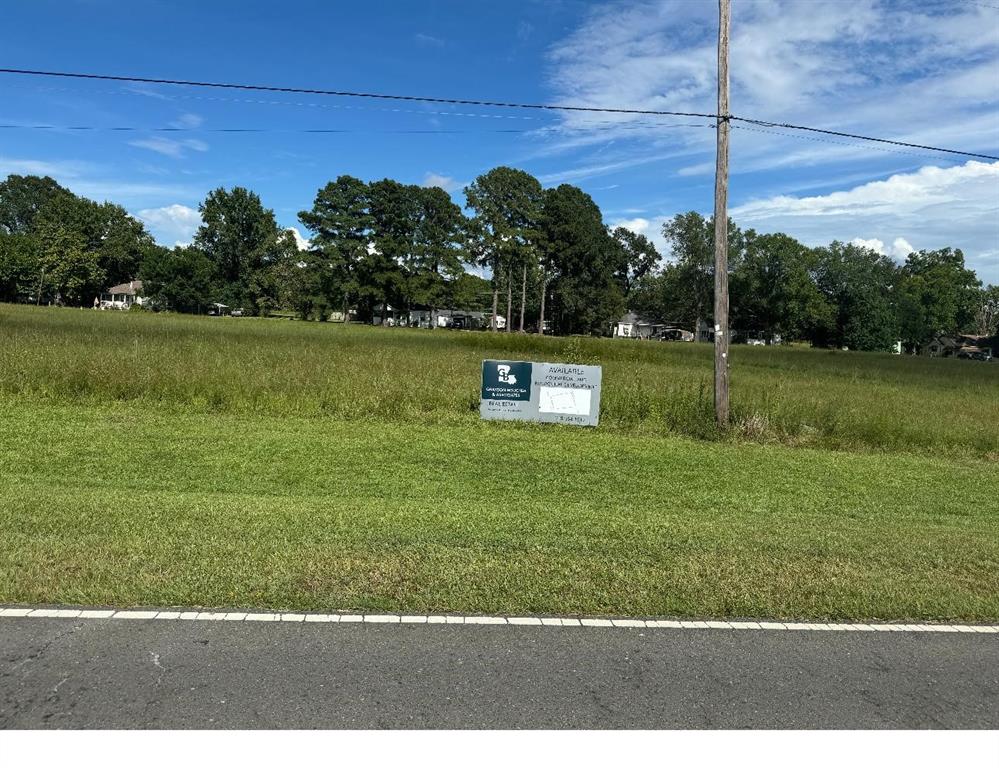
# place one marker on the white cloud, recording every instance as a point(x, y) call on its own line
point(302, 243)
point(652, 228)
point(428, 40)
point(57, 169)
point(447, 183)
point(175, 222)
point(864, 66)
point(873, 244)
point(170, 147)
point(570, 175)
point(638, 225)
point(96, 182)
point(899, 249)
point(188, 120)
point(935, 207)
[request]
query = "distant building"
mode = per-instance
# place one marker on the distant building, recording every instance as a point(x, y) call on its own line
point(961, 345)
point(122, 296)
point(463, 319)
point(635, 326)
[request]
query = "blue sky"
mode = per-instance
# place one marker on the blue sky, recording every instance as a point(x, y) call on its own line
point(922, 72)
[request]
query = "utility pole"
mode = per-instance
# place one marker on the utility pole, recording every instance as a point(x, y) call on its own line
point(721, 221)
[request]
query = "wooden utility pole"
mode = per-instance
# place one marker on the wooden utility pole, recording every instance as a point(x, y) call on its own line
point(721, 222)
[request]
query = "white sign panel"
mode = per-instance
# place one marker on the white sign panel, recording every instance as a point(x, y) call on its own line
point(550, 392)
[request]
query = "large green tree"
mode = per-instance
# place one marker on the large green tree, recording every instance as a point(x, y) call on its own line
point(183, 279)
point(438, 250)
point(296, 279)
point(773, 290)
point(118, 242)
point(340, 227)
point(937, 294)
point(23, 198)
point(639, 257)
point(683, 291)
point(104, 244)
point(71, 273)
point(394, 210)
point(585, 262)
point(239, 236)
point(504, 231)
point(860, 284)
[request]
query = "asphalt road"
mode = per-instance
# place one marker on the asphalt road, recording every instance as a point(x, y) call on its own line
point(65, 673)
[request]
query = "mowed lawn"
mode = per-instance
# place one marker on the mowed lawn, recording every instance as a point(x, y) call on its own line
point(199, 462)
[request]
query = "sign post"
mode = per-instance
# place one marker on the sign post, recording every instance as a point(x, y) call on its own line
point(559, 393)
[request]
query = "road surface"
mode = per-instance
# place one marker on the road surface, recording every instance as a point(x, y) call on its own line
point(67, 673)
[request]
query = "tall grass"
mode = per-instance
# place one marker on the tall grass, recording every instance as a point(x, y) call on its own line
point(280, 367)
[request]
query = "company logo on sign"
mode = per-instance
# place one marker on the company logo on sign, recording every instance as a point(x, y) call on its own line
point(504, 375)
point(506, 381)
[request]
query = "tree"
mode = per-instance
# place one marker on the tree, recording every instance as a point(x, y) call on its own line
point(937, 294)
point(507, 204)
point(294, 277)
point(23, 198)
point(860, 285)
point(685, 290)
point(394, 210)
point(118, 241)
point(469, 291)
point(639, 257)
point(239, 236)
point(183, 279)
point(70, 273)
point(20, 268)
point(773, 291)
point(340, 226)
point(104, 242)
point(987, 315)
point(439, 248)
point(585, 262)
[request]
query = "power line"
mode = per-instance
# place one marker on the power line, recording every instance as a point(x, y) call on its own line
point(200, 129)
point(628, 124)
point(852, 144)
point(485, 103)
point(352, 94)
point(981, 5)
point(842, 134)
point(170, 129)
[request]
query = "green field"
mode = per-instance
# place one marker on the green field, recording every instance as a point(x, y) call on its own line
point(160, 460)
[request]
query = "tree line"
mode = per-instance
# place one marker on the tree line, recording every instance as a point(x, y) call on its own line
point(840, 295)
point(553, 263)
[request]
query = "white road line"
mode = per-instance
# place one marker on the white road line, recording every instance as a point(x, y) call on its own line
point(54, 613)
point(101, 615)
point(45, 612)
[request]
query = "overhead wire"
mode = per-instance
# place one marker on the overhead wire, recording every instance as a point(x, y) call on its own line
point(491, 104)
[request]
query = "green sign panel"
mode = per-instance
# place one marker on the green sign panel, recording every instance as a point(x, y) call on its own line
point(560, 393)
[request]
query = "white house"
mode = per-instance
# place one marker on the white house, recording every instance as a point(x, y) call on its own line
point(634, 326)
point(122, 296)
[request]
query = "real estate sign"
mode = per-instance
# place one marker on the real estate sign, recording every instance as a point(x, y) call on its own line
point(560, 393)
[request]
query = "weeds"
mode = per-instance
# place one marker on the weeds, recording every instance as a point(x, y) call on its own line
point(281, 367)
